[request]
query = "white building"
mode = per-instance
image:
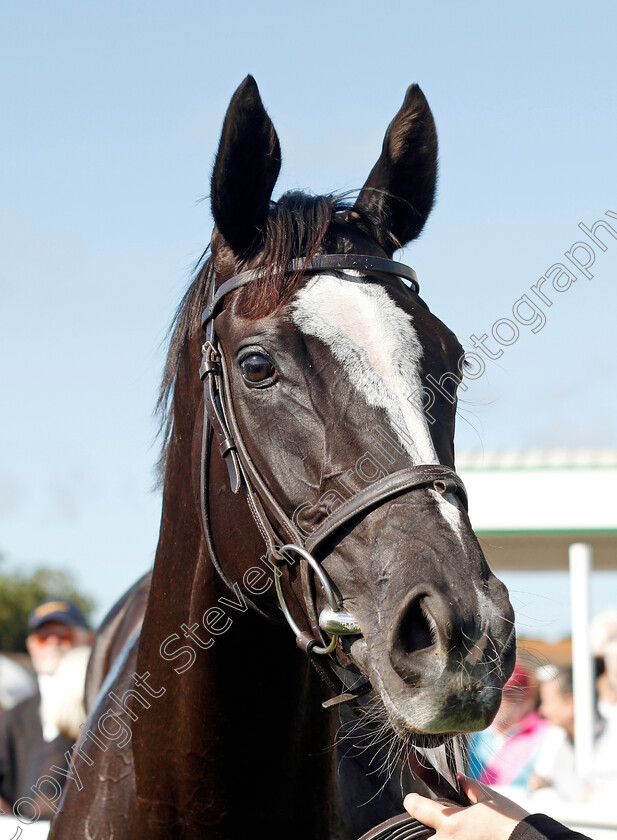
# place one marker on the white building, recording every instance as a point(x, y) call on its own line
point(528, 507)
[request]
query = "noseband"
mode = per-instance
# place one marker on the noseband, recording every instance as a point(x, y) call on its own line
point(283, 540)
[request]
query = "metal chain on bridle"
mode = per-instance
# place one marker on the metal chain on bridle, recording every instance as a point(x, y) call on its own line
point(282, 539)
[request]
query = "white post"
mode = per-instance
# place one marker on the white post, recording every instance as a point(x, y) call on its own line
point(581, 563)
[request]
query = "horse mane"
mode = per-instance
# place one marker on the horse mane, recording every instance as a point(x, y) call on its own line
point(298, 227)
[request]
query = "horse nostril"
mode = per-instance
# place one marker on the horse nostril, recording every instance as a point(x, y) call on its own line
point(416, 629)
point(415, 641)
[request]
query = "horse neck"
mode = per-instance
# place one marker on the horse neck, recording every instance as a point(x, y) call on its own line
point(240, 736)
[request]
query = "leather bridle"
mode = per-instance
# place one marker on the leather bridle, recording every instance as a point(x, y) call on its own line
point(281, 536)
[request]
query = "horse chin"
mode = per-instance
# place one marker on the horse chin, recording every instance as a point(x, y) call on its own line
point(430, 715)
point(426, 742)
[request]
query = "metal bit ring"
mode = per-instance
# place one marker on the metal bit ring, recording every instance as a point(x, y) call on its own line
point(327, 587)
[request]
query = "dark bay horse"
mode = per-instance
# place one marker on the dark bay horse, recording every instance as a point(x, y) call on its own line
point(209, 720)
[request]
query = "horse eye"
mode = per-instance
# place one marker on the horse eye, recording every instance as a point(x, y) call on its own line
point(256, 368)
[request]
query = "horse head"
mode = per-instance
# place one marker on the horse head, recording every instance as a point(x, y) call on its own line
point(323, 490)
point(327, 377)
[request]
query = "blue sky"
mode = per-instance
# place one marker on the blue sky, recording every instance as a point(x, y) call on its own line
point(111, 116)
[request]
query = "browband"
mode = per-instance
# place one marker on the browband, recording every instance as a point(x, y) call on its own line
point(322, 262)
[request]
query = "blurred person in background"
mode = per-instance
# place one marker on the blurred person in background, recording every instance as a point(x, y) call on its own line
point(63, 708)
point(29, 732)
point(554, 767)
point(603, 631)
point(603, 777)
point(506, 752)
point(16, 683)
point(607, 683)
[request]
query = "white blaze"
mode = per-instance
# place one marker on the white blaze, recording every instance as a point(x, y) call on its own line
point(378, 348)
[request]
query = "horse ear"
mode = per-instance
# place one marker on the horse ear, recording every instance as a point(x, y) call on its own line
point(399, 193)
point(247, 165)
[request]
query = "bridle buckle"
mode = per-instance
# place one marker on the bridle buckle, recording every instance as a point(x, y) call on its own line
point(210, 361)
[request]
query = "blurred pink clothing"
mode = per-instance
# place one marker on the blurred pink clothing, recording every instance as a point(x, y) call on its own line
point(509, 757)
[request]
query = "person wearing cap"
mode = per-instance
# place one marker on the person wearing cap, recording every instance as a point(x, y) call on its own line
point(505, 753)
point(30, 740)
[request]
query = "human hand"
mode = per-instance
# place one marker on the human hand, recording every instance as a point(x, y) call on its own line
point(489, 817)
point(536, 782)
